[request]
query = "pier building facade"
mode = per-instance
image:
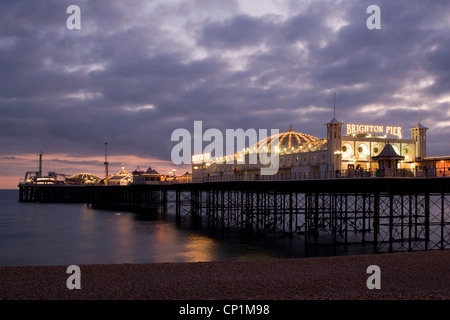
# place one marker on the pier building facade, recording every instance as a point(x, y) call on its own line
point(83, 178)
point(347, 150)
point(151, 176)
point(121, 178)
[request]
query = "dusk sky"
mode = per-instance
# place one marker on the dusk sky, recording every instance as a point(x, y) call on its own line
point(139, 69)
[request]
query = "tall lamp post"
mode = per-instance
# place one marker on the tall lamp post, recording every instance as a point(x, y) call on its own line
point(338, 156)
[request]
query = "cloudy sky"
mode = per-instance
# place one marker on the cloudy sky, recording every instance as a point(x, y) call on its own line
point(139, 69)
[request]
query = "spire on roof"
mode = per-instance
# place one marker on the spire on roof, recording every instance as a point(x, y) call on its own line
point(419, 125)
point(334, 117)
point(334, 120)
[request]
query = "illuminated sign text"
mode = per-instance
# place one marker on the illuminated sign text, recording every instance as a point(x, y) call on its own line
point(201, 157)
point(361, 128)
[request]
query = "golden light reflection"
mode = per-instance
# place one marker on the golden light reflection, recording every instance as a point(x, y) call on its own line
point(195, 248)
point(87, 216)
point(125, 225)
point(199, 249)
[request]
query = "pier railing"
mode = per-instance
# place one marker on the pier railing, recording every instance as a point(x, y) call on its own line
point(338, 174)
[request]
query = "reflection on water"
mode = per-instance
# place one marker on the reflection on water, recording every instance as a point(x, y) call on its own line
point(64, 234)
point(199, 249)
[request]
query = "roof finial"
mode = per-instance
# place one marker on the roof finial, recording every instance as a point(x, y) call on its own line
point(290, 127)
point(419, 109)
point(334, 105)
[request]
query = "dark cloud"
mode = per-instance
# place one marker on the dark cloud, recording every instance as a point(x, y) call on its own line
point(437, 63)
point(237, 32)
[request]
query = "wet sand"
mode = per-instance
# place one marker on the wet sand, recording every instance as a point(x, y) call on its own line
point(404, 276)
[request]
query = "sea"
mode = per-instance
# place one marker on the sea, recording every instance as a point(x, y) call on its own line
point(34, 234)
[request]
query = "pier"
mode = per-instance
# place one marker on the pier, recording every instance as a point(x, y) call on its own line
point(393, 214)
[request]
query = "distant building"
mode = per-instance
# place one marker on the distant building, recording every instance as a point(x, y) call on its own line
point(121, 178)
point(185, 178)
point(151, 176)
point(83, 178)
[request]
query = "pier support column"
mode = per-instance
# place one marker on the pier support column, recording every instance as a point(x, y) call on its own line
point(376, 219)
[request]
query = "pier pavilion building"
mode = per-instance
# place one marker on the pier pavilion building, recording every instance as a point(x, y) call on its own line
point(151, 176)
point(348, 150)
point(83, 178)
point(121, 178)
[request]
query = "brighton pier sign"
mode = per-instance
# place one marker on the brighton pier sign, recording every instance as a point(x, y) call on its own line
point(364, 128)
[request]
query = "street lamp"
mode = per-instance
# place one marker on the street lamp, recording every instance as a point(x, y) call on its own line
point(338, 156)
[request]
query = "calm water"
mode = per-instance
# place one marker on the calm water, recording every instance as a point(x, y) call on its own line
point(65, 234)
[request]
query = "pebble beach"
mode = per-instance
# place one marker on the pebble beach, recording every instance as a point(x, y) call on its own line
point(404, 276)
